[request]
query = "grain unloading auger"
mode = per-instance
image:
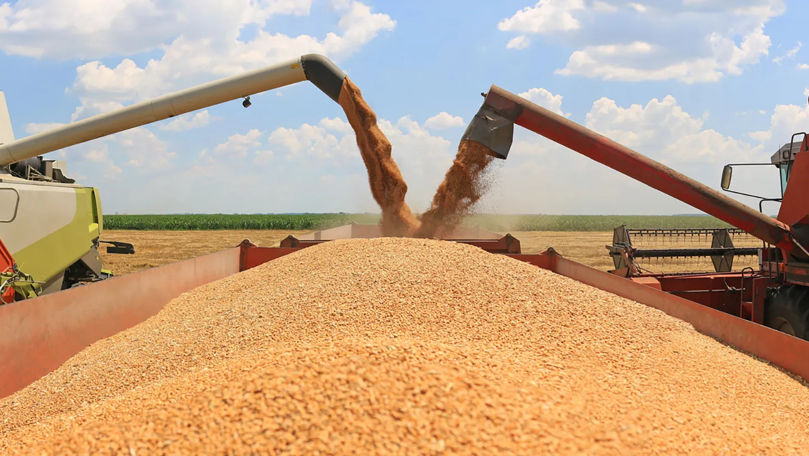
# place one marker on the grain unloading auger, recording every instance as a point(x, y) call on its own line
point(50, 227)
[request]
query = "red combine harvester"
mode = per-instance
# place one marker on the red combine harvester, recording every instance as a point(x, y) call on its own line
point(777, 294)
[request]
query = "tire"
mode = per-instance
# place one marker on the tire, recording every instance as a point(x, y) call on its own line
point(788, 311)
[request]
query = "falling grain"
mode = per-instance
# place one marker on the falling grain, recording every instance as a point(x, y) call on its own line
point(388, 187)
point(460, 190)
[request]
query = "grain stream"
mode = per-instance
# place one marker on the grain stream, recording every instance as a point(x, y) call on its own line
point(388, 187)
point(462, 187)
point(407, 346)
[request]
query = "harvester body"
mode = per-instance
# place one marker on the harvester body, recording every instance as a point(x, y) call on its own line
point(49, 225)
point(776, 294)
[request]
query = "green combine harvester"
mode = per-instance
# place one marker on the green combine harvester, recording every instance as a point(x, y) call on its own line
point(50, 227)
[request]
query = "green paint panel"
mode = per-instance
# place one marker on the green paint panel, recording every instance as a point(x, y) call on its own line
point(53, 254)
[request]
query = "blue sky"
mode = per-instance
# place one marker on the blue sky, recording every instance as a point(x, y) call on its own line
point(695, 84)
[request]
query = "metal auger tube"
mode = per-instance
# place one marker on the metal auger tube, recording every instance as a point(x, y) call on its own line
point(315, 68)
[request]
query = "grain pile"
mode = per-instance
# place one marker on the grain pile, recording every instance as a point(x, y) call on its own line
point(407, 346)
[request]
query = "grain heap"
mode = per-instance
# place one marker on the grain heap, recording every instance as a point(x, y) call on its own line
point(407, 346)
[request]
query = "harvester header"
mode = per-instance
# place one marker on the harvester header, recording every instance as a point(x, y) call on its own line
point(318, 69)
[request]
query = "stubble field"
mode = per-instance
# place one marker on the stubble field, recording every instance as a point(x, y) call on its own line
point(155, 248)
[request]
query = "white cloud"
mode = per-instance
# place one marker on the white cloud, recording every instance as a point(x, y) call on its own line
point(67, 29)
point(312, 160)
point(336, 124)
point(238, 144)
point(188, 121)
point(784, 121)
point(546, 16)
point(135, 154)
point(99, 153)
point(663, 129)
point(803, 66)
point(518, 42)
point(192, 58)
point(144, 149)
point(545, 99)
point(572, 183)
point(138, 50)
point(311, 141)
point(686, 41)
point(138, 149)
point(319, 164)
point(604, 7)
point(443, 120)
point(789, 54)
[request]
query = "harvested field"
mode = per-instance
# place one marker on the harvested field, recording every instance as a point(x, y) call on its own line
point(407, 346)
point(156, 248)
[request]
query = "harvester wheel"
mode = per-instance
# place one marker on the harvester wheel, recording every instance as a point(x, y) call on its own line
point(788, 311)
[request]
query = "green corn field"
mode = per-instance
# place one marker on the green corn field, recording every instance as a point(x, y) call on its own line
point(500, 223)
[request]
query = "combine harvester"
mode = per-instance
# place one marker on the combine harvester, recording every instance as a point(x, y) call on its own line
point(37, 335)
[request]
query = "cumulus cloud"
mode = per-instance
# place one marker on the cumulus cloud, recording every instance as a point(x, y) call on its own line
point(116, 160)
point(190, 58)
point(319, 163)
point(784, 121)
point(322, 141)
point(68, 29)
point(444, 120)
point(545, 99)
point(547, 16)
point(661, 129)
point(144, 150)
point(238, 144)
point(686, 41)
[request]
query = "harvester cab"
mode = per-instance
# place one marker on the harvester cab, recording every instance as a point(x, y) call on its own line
point(783, 159)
